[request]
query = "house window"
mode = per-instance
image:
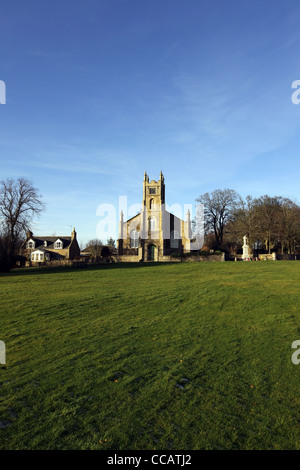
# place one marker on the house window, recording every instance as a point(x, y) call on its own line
point(134, 239)
point(37, 257)
point(45, 243)
point(58, 245)
point(30, 244)
point(41, 257)
point(32, 256)
point(174, 240)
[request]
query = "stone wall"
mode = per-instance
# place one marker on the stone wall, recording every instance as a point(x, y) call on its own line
point(198, 258)
point(261, 257)
point(291, 257)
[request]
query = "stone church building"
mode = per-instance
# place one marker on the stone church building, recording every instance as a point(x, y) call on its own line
point(154, 233)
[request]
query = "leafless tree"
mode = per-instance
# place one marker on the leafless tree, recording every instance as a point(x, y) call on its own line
point(269, 223)
point(94, 247)
point(19, 203)
point(219, 208)
point(243, 222)
point(268, 209)
point(289, 225)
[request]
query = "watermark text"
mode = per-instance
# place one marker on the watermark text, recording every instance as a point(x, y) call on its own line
point(2, 353)
point(296, 354)
point(2, 92)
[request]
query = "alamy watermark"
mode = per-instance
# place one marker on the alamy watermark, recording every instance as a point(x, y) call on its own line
point(296, 354)
point(296, 94)
point(2, 92)
point(112, 219)
point(2, 353)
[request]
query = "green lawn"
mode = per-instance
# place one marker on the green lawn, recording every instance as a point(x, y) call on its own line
point(151, 356)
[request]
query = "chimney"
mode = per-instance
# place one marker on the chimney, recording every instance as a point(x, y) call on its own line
point(29, 234)
point(73, 234)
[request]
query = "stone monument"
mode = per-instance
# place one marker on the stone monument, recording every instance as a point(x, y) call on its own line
point(246, 251)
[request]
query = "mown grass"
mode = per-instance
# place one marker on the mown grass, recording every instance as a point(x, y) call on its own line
point(151, 356)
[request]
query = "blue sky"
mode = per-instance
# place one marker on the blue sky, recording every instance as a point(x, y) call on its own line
point(98, 91)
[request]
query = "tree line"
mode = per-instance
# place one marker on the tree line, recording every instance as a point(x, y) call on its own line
point(271, 223)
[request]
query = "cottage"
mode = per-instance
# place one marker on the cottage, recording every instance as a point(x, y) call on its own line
point(39, 249)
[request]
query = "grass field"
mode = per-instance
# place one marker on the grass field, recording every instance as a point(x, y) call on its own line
point(151, 356)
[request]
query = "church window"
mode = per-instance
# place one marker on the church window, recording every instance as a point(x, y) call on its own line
point(151, 203)
point(134, 239)
point(174, 241)
point(152, 224)
point(152, 190)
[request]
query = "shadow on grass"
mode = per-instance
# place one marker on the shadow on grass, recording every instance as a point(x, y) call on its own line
point(37, 270)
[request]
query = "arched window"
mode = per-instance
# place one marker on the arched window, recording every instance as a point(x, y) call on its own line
point(134, 239)
point(152, 203)
point(174, 240)
point(152, 224)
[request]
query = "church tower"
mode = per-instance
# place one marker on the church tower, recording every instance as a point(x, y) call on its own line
point(153, 192)
point(152, 209)
point(154, 233)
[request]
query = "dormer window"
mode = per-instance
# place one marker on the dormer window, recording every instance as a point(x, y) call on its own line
point(58, 245)
point(45, 243)
point(30, 244)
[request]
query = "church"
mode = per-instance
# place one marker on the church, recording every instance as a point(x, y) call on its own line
point(154, 233)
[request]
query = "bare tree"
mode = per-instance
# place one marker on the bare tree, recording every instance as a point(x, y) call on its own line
point(94, 247)
point(289, 225)
point(269, 223)
point(268, 209)
point(219, 208)
point(19, 203)
point(243, 222)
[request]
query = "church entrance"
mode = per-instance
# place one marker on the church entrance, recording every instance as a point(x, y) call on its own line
point(150, 254)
